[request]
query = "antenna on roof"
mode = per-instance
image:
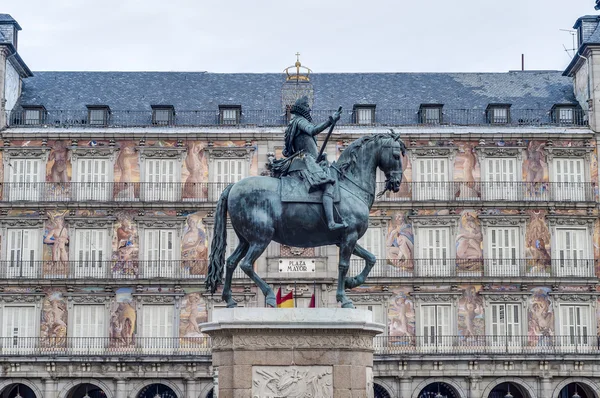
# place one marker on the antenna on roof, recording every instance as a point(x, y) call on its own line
point(570, 51)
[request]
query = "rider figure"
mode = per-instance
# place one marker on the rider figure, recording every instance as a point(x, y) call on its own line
point(300, 142)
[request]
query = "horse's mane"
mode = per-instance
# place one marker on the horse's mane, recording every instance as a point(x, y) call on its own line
point(347, 161)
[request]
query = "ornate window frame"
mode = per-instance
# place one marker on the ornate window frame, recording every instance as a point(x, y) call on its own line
point(98, 223)
point(583, 299)
point(149, 152)
point(433, 221)
point(381, 300)
point(245, 153)
point(505, 220)
point(510, 297)
point(73, 299)
point(157, 299)
point(485, 152)
point(573, 222)
point(167, 223)
point(7, 223)
point(33, 300)
point(105, 153)
point(36, 153)
point(436, 298)
point(584, 153)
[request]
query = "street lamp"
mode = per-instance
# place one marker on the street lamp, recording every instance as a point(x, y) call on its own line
point(157, 394)
point(86, 392)
point(508, 394)
point(439, 394)
point(576, 395)
point(18, 395)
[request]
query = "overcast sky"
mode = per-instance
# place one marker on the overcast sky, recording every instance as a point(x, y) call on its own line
point(264, 35)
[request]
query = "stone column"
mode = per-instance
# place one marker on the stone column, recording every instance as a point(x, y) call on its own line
point(546, 388)
point(191, 388)
point(474, 390)
point(120, 390)
point(324, 352)
point(405, 387)
point(49, 388)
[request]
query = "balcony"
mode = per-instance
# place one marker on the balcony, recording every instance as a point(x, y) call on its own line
point(501, 345)
point(486, 345)
point(276, 117)
point(209, 192)
point(486, 191)
point(111, 269)
point(476, 268)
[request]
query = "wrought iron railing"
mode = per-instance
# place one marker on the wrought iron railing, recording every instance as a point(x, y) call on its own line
point(488, 191)
point(211, 191)
point(383, 345)
point(487, 345)
point(275, 117)
point(478, 267)
point(108, 269)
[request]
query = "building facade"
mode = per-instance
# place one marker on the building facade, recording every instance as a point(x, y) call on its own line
point(488, 256)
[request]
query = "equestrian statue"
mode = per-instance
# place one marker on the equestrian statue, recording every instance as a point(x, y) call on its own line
point(306, 203)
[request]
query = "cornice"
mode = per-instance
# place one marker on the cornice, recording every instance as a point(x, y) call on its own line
point(436, 297)
point(90, 222)
point(433, 151)
point(149, 152)
point(22, 221)
point(571, 220)
point(499, 151)
point(244, 152)
point(575, 297)
point(93, 152)
point(25, 152)
point(21, 297)
point(567, 152)
point(162, 222)
point(509, 220)
point(434, 221)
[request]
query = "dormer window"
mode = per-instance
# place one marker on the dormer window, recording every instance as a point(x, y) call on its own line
point(98, 115)
point(34, 114)
point(563, 114)
point(364, 114)
point(163, 115)
point(230, 114)
point(498, 113)
point(430, 114)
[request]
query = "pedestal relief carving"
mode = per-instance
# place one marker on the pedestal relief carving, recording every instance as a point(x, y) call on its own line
point(292, 381)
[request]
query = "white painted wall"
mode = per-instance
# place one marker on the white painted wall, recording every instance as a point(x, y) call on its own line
point(11, 86)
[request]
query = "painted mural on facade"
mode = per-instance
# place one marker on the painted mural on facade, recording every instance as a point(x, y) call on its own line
point(467, 171)
point(194, 245)
point(401, 314)
point(122, 319)
point(469, 243)
point(54, 318)
point(537, 243)
point(541, 315)
point(125, 245)
point(192, 314)
point(56, 244)
point(127, 171)
point(195, 171)
point(400, 242)
point(470, 317)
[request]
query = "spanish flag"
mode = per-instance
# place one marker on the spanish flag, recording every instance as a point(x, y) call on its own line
point(286, 301)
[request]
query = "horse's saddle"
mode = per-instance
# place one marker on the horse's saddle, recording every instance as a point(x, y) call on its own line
point(294, 188)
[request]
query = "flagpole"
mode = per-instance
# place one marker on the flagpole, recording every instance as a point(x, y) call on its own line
point(315, 292)
point(294, 294)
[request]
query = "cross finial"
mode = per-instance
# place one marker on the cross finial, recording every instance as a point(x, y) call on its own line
point(298, 57)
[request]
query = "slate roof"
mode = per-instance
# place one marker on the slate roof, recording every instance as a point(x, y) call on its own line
point(206, 91)
point(2, 38)
point(7, 18)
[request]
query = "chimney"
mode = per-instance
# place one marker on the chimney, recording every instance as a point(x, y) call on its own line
point(585, 27)
point(9, 29)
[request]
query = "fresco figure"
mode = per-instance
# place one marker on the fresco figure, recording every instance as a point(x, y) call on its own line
point(122, 319)
point(194, 251)
point(57, 235)
point(53, 325)
point(60, 155)
point(194, 163)
point(468, 162)
point(541, 314)
point(193, 313)
point(470, 313)
point(125, 246)
point(400, 242)
point(537, 240)
point(468, 243)
point(126, 163)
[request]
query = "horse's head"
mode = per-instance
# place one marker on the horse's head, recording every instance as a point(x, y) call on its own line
point(390, 161)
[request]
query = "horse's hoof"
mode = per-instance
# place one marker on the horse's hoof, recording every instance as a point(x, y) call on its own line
point(231, 304)
point(348, 304)
point(271, 301)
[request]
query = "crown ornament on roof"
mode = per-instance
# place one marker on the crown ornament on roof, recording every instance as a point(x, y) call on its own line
point(297, 72)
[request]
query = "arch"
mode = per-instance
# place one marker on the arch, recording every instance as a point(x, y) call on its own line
point(206, 390)
point(64, 393)
point(446, 380)
point(134, 392)
point(385, 385)
point(380, 391)
point(592, 386)
point(515, 380)
point(36, 390)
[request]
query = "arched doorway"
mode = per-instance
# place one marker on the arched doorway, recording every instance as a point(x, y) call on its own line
point(502, 390)
point(157, 391)
point(576, 389)
point(432, 390)
point(17, 390)
point(380, 392)
point(86, 390)
point(210, 393)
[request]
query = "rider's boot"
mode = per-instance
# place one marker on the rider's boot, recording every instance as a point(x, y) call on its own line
point(328, 207)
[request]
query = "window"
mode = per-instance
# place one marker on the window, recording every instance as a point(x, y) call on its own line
point(33, 115)
point(569, 177)
point(434, 252)
point(575, 324)
point(92, 179)
point(18, 328)
point(371, 241)
point(503, 251)
point(163, 115)
point(22, 253)
point(431, 179)
point(563, 114)
point(230, 114)
point(501, 179)
point(572, 252)
point(90, 253)
point(364, 114)
point(498, 113)
point(376, 311)
point(157, 327)
point(225, 172)
point(98, 115)
point(89, 328)
point(160, 252)
point(430, 114)
point(161, 177)
point(436, 326)
point(505, 324)
point(24, 179)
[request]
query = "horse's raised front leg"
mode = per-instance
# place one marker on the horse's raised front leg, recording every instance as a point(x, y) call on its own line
point(352, 282)
point(232, 262)
point(346, 248)
point(254, 252)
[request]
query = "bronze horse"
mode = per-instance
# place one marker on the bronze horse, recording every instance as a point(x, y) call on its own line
point(258, 216)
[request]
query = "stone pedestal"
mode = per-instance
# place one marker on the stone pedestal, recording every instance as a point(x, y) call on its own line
point(293, 352)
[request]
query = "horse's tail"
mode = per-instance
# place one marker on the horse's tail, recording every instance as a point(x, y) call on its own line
point(216, 262)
